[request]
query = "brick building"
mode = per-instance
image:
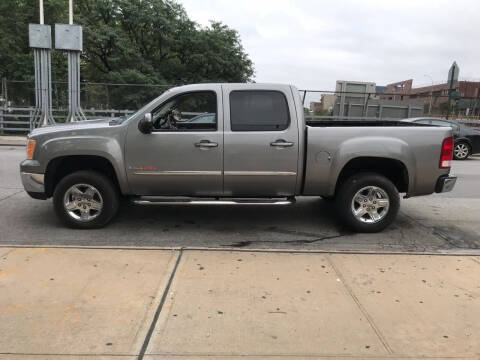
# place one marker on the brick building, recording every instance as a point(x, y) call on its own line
point(403, 90)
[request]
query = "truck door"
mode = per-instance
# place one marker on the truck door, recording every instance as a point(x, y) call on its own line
point(180, 157)
point(261, 141)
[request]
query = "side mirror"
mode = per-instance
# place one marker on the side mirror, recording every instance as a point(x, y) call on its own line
point(146, 125)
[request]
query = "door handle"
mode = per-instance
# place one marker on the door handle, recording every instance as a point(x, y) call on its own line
point(281, 143)
point(206, 144)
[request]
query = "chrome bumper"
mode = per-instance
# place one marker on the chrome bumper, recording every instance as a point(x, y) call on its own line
point(445, 184)
point(33, 182)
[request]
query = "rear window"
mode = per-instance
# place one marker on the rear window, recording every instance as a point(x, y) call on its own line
point(258, 111)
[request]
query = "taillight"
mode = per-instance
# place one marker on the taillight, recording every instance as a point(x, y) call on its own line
point(447, 153)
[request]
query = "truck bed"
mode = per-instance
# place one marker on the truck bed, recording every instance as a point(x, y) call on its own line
point(343, 123)
point(332, 144)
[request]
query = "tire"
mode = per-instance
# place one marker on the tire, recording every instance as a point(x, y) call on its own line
point(461, 151)
point(373, 189)
point(86, 191)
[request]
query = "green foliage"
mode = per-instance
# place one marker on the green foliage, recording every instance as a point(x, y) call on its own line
point(127, 41)
point(443, 107)
point(322, 112)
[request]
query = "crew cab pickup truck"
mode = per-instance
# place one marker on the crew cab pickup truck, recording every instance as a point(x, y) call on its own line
point(234, 144)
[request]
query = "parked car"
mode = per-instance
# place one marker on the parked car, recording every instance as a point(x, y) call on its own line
point(467, 139)
point(256, 149)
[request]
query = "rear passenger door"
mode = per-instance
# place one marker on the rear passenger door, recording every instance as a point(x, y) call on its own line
point(260, 141)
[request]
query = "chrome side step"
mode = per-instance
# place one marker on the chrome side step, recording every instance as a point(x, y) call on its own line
point(162, 200)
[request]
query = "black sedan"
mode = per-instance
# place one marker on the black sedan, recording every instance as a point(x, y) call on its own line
point(467, 139)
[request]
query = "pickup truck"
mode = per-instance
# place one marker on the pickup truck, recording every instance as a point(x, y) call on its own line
point(236, 144)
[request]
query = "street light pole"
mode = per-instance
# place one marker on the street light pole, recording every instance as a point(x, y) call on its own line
point(431, 95)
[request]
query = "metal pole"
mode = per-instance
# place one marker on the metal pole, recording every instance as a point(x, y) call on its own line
point(450, 83)
point(431, 95)
point(70, 12)
point(41, 11)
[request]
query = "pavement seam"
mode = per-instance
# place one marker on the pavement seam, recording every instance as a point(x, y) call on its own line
point(8, 252)
point(452, 252)
point(360, 306)
point(159, 308)
point(476, 260)
point(9, 196)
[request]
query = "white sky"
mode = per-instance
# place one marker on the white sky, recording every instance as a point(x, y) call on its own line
point(313, 43)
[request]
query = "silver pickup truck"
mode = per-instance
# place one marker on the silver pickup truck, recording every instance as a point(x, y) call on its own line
point(234, 144)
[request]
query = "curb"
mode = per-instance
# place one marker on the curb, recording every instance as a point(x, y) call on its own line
point(13, 141)
point(445, 252)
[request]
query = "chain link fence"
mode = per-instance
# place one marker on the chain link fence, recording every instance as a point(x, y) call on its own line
point(17, 99)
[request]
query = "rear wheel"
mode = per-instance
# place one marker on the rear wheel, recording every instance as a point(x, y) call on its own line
point(461, 151)
point(368, 202)
point(85, 200)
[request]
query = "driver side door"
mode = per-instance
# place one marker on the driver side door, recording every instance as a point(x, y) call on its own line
point(183, 160)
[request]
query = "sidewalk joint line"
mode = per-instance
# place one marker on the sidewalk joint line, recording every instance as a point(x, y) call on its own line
point(476, 260)
point(9, 196)
point(159, 309)
point(360, 306)
point(8, 252)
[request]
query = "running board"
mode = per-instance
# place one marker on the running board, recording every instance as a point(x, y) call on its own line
point(161, 200)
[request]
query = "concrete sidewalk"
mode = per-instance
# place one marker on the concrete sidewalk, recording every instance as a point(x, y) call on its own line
point(162, 304)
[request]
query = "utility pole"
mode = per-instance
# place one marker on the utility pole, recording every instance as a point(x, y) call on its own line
point(431, 95)
point(69, 38)
point(40, 39)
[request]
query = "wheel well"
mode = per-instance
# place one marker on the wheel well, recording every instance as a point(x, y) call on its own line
point(60, 167)
point(392, 169)
point(464, 141)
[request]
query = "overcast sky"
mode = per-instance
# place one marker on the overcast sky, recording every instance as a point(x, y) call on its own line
point(313, 43)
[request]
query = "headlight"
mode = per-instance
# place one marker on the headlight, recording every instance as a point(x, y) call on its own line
point(30, 149)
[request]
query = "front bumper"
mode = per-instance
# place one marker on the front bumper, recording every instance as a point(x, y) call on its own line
point(445, 183)
point(33, 183)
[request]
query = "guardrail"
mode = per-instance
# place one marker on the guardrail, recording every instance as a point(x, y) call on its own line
point(19, 120)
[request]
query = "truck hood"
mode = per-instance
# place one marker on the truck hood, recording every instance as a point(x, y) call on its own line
point(77, 125)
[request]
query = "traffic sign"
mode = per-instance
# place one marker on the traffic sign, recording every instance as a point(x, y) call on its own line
point(453, 75)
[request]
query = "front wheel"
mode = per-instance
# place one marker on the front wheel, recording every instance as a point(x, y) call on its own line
point(461, 151)
point(368, 202)
point(85, 200)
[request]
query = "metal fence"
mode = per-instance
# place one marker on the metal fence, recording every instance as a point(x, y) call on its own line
point(19, 120)
point(105, 100)
point(93, 95)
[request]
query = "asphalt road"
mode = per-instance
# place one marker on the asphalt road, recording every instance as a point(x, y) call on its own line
point(440, 223)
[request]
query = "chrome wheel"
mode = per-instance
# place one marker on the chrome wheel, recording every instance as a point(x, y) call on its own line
point(461, 151)
point(370, 204)
point(83, 202)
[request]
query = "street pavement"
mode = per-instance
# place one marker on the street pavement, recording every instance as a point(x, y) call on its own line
point(437, 223)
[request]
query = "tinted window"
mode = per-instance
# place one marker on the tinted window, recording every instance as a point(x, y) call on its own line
point(258, 111)
point(427, 122)
point(440, 123)
point(445, 123)
point(191, 111)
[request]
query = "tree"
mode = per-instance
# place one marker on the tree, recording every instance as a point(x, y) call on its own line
point(128, 41)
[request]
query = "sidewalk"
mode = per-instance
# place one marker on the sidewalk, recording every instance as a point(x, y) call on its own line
point(170, 304)
point(13, 140)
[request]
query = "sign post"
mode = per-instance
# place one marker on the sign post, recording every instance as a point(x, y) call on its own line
point(452, 81)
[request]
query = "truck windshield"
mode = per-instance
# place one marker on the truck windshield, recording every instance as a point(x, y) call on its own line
point(141, 110)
